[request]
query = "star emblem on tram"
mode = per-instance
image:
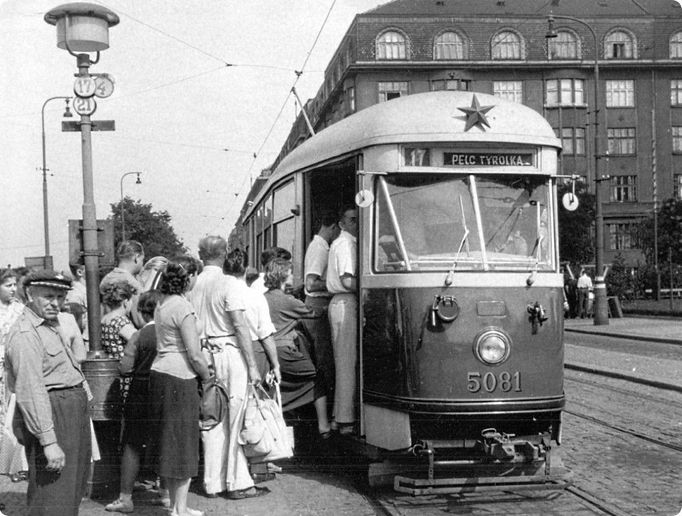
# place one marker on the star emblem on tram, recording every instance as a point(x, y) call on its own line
point(476, 115)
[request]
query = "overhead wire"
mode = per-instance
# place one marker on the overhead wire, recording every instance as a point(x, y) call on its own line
point(298, 73)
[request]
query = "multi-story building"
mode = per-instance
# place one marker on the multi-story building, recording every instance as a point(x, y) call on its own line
point(501, 47)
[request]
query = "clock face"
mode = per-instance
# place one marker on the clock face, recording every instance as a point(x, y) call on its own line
point(104, 85)
point(570, 201)
point(364, 198)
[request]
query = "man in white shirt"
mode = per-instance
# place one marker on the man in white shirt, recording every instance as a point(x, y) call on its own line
point(318, 297)
point(130, 260)
point(584, 287)
point(219, 303)
point(343, 317)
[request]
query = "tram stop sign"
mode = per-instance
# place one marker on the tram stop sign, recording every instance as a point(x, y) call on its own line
point(105, 241)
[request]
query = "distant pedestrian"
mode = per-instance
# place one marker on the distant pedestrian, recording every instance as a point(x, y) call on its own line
point(584, 288)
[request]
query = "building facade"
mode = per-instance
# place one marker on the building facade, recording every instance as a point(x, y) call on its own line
point(501, 47)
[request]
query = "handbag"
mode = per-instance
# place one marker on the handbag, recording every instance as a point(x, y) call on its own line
point(214, 401)
point(265, 436)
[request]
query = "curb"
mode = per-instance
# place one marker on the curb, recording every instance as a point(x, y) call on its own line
point(623, 376)
point(662, 340)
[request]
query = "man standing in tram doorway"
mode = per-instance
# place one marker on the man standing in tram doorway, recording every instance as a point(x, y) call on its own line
point(343, 317)
point(52, 418)
point(317, 296)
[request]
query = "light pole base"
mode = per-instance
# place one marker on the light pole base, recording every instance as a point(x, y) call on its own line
point(601, 308)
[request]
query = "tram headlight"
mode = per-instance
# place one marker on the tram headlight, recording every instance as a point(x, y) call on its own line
point(492, 346)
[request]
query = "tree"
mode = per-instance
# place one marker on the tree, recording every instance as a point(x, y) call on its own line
point(576, 241)
point(152, 228)
point(669, 233)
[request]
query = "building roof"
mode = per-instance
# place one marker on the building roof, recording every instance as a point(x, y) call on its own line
point(581, 8)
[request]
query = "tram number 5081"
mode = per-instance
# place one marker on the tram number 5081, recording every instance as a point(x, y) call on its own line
point(490, 382)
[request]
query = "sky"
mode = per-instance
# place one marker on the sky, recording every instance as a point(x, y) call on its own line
point(184, 118)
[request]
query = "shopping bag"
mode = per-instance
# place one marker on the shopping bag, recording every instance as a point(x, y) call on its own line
point(264, 412)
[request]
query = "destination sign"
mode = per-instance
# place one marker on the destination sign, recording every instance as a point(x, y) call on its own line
point(478, 159)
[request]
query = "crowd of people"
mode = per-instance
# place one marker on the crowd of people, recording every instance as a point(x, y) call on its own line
point(173, 324)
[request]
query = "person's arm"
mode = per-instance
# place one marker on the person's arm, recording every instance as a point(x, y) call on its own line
point(315, 283)
point(349, 282)
point(127, 363)
point(127, 331)
point(270, 349)
point(188, 331)
point(238, 321)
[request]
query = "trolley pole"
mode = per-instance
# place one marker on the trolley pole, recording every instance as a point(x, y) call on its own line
point(601, 314)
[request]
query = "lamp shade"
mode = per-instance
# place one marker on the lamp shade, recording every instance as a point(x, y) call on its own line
point(82, 27)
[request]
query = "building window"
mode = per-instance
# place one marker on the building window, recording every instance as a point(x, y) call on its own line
point(677, 186)
point(620, 93)
point(676, 46)
point(622, 236)
point(450, 84)
point(572, 141)
point(565, 92)
point(676, 92)
point(392, 90)
point(509, 90)
point(619, 45)
point(391, 45)
point(621, 140)
point(624, 189)
point(350, 99)
point(449, 45)
point(564, 46)
point(506, 45)
point(676, 131)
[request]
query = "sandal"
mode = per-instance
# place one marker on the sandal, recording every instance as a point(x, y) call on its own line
point(249, 492)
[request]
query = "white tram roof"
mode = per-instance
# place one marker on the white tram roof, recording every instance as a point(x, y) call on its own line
point(424, 117)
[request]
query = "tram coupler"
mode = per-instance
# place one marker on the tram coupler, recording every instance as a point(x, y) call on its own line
point(503, 447)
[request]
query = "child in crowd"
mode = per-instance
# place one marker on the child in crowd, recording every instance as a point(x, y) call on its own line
point(136, 362)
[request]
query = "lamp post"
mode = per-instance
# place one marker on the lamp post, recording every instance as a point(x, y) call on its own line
point(600, 302)
point(82, 28)
point(46, 225)
point(123, 216)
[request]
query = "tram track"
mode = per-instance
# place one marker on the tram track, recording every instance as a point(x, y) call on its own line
point(638, 395)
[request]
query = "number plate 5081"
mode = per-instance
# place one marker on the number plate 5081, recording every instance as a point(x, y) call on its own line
point(491, 382)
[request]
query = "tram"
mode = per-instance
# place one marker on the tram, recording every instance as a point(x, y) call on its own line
point(460, 341)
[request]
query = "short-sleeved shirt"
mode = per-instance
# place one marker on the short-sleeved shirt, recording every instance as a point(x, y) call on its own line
point(257, 314)
point(213, 295)
point(113, 342)
point(342, 260)
point(38, 361)
point(316, 259)
point(171, 352)
point(116, 275)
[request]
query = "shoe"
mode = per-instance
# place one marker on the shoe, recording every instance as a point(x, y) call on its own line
point(120, 506)
point(273, 468)
point(346, 428)
point(325, 436)
point(249, 492)
point(259, 478)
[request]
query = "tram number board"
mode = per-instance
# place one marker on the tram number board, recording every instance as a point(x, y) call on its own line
point(490, 382)
point(485, 159)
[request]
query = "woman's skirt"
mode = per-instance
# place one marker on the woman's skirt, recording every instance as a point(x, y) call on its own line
point(176, 419)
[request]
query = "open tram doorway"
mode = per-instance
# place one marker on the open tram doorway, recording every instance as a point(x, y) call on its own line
point(328, 188)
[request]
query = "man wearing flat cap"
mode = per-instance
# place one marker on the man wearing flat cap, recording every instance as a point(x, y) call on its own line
point(52, 420)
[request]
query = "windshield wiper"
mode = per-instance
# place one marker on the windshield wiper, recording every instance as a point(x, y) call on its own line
point(465, 240)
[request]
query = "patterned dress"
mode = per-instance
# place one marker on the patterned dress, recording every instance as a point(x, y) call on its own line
point(8, 314)
point(113, 345)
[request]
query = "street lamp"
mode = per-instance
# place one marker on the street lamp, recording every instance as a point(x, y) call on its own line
point(82, 28)
point(123, 217)
point(601, 316)
point(46, 226)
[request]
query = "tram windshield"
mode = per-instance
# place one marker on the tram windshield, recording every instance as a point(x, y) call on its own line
point(462, 222)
